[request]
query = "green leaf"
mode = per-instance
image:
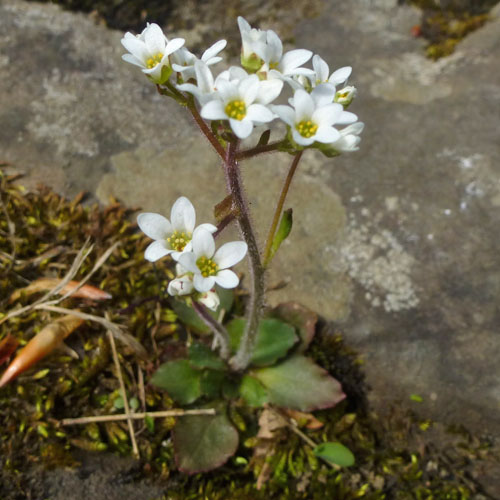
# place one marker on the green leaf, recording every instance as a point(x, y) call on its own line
point(118, 403)
point(226, 297)
point(211, 383)
point(188, 316)
point(282, 233)
point(300, 384)
point(150, 423)
point(304, 320)
point(180, 380)
point(253, 392)
point(201, 356)
point(264, 138)
point(274, 339)
point(204, 442)
point(230, 388)
point(335, 453)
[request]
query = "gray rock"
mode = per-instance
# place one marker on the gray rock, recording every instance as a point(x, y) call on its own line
point(398, 243)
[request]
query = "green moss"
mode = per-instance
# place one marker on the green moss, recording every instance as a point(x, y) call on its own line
point(446, 23)
point(397, 456)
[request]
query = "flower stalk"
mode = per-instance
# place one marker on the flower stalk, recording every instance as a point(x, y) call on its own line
point(218, 330)
point(256, 270)
point(279, 207)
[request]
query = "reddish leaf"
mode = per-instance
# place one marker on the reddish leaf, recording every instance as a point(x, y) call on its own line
point(7, 346)
point(43, 343)
point(45, 284)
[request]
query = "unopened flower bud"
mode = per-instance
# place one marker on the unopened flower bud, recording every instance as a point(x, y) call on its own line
point(181, 286)
point(210, 299)
point(346, 95)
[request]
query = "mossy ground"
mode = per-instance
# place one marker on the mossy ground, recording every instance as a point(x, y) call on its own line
point(445, 23)
point(397, 455)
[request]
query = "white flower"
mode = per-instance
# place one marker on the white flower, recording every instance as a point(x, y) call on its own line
point(277, 64)
point(322, 73)
point(174, 236)
point(205, 86)
point(209, 266)
point(311, 120)
point(253, 43)
point(346, 95)
point(183, 61)
point(150, 51)
point(209, 299)
point(182, 285)
point(349, 138)
point(236, 101)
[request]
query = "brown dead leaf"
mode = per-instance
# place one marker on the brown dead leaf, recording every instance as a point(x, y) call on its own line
point(269, 422)
point(43, 343)
point(307, 420)
point(45, 284)
point(7, 346)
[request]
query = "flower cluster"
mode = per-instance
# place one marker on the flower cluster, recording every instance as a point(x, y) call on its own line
point(242, 97)
point(199, 266)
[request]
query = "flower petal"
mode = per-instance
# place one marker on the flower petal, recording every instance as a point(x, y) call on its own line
point(133, 60)
point(286, 113)
point(321, 68)
point(324, 93)
point(230, 254)
point(203, 244)
point(155, 39)
point(213, 50)
point(203, 284)
point(293, 59)
point(188, 261)
point(135, 47)
point(269, 90)
point(241, 128)
point(154, 225)
point(347, 117)
point(208, 227)
point(259, 113)
point(213, 110)
point(327, 115)
point(174, 45)
point(180, 286)
point(304, 105)
point(228, 91)
point(275, 47)
point(227, 279)
point(300, 139)
point(156, 250)
point(183, 216)
point(249, 88)
point(341, 75)
point(326, 135)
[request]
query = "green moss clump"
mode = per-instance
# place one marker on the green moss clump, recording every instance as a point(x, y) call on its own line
point(446, 23)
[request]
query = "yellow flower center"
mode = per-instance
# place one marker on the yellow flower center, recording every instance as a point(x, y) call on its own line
point(273, 65)
point(236, 109)
point(178, 240)
point(207, 267)
point(306, 128)
point(154, 60)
